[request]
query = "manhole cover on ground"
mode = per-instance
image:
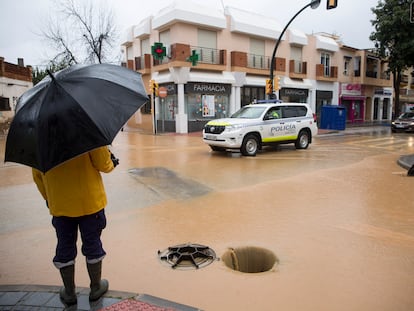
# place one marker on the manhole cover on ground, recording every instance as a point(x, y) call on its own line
point(187, 256)
point(250, 259)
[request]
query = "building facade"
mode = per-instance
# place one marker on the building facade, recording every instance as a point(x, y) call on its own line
point(234, 51)
point(15, 79)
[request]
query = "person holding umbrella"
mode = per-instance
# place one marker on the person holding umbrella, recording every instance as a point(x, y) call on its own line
point(61, 129)
point(76, 198)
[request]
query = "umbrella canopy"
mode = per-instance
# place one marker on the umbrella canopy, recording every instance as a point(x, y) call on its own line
point(76, 110)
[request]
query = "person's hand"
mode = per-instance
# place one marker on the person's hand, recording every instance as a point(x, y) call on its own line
point(115, 160)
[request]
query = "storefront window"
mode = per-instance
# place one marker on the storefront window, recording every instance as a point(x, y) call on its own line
point(168, 107)
point(293, 95)
point(251, 93)
point(206, 106)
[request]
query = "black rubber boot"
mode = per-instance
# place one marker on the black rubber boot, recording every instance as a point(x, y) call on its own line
point(67, 292)
point(98, 287)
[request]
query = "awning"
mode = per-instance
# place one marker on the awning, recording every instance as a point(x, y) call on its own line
point(189, 12)
point(297, 37)
point(325, 43)
point(253, 24)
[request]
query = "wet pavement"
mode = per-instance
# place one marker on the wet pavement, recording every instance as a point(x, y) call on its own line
point(339, 217)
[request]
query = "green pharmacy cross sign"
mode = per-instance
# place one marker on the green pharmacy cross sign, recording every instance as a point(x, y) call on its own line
point(193, 58)
point(158, 51)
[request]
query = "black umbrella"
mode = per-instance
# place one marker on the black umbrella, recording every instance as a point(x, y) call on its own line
point(72, 112)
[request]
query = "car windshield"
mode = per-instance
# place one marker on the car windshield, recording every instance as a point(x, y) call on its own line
point(407, 115)
point(249, 112)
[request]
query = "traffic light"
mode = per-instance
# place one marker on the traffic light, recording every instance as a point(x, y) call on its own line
point(151, 85)
point(155, 88)
point(331, 4)
point(158, 51)
point(276, 84)
point(269, 87)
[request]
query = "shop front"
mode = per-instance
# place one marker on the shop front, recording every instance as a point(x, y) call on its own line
point(382, 107)
point(204, 102)
point(294, 95)
point(353, 99)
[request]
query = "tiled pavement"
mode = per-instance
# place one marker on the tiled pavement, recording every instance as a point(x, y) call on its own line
point(46, 298)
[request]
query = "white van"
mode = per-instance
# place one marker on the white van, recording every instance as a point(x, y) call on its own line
point(263, 123)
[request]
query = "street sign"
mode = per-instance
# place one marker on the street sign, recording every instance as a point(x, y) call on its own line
point(162, 92)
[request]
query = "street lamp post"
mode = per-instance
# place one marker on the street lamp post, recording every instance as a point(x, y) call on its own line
point(314, 4)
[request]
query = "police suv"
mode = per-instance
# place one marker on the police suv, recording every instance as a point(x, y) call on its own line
point(265, 122)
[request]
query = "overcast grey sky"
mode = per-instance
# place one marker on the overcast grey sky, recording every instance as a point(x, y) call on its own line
point(22, 20)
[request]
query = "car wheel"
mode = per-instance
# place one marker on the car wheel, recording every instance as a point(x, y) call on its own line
point(303, 140)
point(215, 148)
point(249, 146)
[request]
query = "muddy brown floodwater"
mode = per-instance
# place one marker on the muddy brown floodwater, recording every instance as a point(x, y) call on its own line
point(339, 218)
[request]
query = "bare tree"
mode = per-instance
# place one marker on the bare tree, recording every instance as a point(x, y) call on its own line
point(80, 32)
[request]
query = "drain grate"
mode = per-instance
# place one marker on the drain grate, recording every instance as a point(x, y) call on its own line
point(187, 256)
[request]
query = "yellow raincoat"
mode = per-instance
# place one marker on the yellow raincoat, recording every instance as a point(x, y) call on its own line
point(75, 188)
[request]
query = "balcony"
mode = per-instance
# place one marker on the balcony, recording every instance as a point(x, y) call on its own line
point(374, 78)
point(255, 64)
point(407, 93)
point(326, 74)
point(258, 61)
point(297, 69)
point(208, 59)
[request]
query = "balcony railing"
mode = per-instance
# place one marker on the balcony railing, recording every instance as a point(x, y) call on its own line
point(208, 55)
point(323, 72)
point(258, 61)
point(297, 67)
point(406, 92)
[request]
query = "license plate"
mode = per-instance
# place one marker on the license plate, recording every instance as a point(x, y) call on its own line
point(211, 137)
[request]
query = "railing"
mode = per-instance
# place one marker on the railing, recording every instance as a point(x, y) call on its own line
point(207, 55)
point(385, 75)
point(371, 74)
point(258, 61)
point(406, 92)
point(297, 66)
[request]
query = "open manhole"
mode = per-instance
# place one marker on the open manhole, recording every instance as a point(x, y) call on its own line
point(187, 256)
point(250, 259)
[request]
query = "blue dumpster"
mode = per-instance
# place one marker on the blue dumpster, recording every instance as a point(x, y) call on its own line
point(333, 118)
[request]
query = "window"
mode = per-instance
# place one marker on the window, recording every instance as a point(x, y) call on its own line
point(347, 64)
point(251, 93)
point(296, 55)
point(145, 47)
point(326, 62)
point(207, 39)
point(256, 58)
point(4, 104)
point(165, 40)
point(294, 111)
point(357, 66)
point(273, 113)
point(207, 46)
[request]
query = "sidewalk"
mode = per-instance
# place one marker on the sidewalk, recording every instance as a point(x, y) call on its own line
point(42, 297)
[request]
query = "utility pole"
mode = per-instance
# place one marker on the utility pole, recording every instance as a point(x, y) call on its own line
point(313, 4)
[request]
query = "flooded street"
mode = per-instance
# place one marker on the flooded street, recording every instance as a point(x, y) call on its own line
point(339, 217)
